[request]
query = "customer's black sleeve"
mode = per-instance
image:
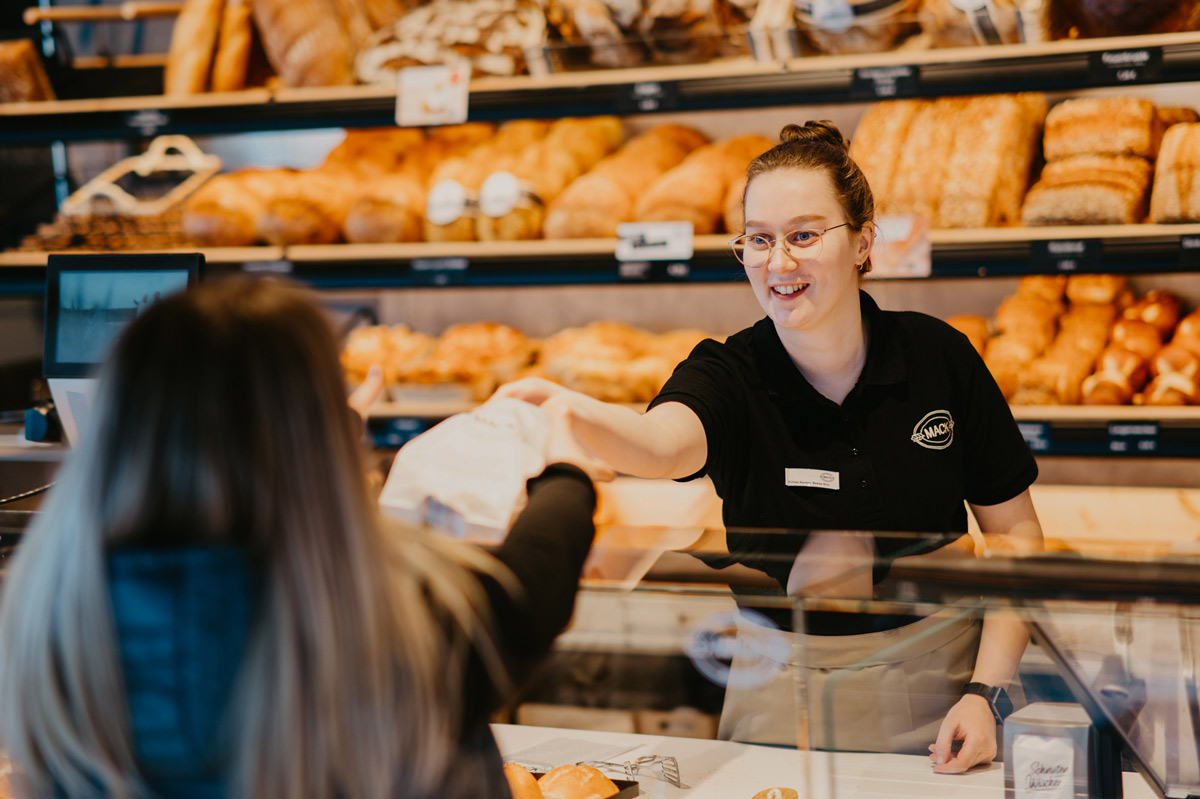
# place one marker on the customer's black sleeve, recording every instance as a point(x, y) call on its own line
point(544, 551)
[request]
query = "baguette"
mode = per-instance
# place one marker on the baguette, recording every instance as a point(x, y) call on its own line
point(233, 48)
point(190, 54)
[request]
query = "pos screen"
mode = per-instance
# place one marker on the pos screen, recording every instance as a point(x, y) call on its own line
point(90, 299)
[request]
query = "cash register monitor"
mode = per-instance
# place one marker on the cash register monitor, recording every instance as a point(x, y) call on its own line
point(89, 300)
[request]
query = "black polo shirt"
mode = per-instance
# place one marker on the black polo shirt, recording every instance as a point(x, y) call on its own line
point(924, 428)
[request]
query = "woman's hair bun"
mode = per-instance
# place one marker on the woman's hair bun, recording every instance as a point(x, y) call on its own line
point(818, 131)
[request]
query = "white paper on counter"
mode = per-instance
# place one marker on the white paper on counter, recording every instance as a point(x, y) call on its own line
point(469, 472)
point(1043, 767)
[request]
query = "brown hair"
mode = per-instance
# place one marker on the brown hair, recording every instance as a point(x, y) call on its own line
point(221, 419)
point(818, 145)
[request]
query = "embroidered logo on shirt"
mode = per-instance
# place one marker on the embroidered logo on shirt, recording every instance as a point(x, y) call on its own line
point(935, 430)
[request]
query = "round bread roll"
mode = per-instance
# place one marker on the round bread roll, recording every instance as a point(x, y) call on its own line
point(1170, 388)
point(576, 782)
point(521, 783)
point(1095, 289)
point(975, 328)
point(1177, 359)
point(1137, 336)
point(777, 793)
point(1158, 308)
point(1189, 326)
point(1047, 287)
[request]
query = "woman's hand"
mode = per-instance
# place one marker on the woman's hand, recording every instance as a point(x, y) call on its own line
point(535, 390)
point(362, 398)
point(970, 721)
point(564, 447)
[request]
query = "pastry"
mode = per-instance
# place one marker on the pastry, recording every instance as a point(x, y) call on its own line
point(22, 77)
point(576, 782)
point(1048, 287)
point(696, 190)
point(190, 54)
point(975, 328)
point(470, 359)
point(596, 203)
point(1176, 193)
point(391, 210)
point(224, 212)
point(1170, 388)
point(312, 210)
point(1119, 375)
point(1176, 115)
point(521, 783)
point(1103, 126)
point(1095, 289)
point(1089, 190)
point(395, 349)
point(370, 152)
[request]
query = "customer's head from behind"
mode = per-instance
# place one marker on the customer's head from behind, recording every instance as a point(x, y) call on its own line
point(221, 420)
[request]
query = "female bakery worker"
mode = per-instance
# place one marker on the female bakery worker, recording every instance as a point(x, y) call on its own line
point(211, 606)
point(897, 407)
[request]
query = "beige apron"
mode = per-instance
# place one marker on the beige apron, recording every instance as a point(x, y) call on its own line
point(888, 691)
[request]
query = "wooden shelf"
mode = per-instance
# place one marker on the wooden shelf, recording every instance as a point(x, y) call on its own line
point(726, 84)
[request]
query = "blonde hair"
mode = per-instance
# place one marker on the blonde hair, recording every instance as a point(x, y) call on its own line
point(221, 419)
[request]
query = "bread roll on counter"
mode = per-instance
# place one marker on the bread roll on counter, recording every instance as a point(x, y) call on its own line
point(576, 782)
point(1176, 193)
point(596, 203)
point(521, 783)
point(1103, 125)
point(696, 190)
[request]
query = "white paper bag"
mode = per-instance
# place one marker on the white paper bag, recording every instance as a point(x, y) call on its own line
point(1043, 767)
point(467, 475)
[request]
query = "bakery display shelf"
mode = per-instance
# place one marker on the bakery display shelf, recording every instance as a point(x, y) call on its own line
point(725, 84)
point(15, 259)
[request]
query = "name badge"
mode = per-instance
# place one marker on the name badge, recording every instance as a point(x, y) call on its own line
point(812, 478)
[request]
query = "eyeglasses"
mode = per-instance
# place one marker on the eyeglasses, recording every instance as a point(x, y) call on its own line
point(754, 249)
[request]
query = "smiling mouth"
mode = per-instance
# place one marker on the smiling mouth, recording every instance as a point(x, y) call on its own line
point(789, 290)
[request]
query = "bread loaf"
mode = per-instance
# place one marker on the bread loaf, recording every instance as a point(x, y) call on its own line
point(224, 212)
point(390, 210)
point(232, 59)
point(312, 211)
point(1046, 287)
point(695, 191)
point(22, 78)
point(312, 42)
point(1176, 193)
point(1089, 190)
point(1103, 125)
point(576, 782)
point(193, 40)
point(877, 142)
point(917, 186)
point(596, 203)
point(1176, 115)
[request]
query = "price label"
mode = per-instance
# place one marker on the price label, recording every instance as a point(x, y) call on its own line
point(1189, 253)
point(439, 271)
point(268, 267)
point(655, 241)
point(148, 121)
point(434, 95)
point(653, 271)
point(648, 97)
point(1065, 256)
point(1132, 438)
point(1036, 435)
point(1139, 65)
point(885, 83)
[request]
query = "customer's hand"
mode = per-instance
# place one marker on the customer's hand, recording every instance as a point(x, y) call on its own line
point(362, 398)
point(535, 390)
point(563, 447)
point(970, 721)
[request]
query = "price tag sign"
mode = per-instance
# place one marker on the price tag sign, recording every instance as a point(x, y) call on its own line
point(885, 83)
point(655, 241)
point(1140, 65)
point(653, 271)
point(434, 95)
point(648, 97)
point(268, 267)
point(1132, 437)
point(148, 121)
point(1036, 435)
point(1189, 253)
point(1065, 256)
point(439, 271)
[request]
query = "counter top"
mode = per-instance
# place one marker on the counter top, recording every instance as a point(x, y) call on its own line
point(727, 770)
